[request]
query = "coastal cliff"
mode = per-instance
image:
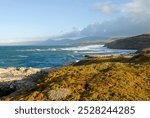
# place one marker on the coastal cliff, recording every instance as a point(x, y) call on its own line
point(114, 77)
point(134, 43)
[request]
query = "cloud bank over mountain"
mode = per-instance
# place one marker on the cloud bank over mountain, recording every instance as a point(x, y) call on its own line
point(134, 19)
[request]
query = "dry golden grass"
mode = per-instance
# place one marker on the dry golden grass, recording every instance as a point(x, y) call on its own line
point(110, 78)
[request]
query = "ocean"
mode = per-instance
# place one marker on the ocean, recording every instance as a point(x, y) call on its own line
point(49, 56)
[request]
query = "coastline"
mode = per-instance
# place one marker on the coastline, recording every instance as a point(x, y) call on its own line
point(78, 79)
point(14, 79)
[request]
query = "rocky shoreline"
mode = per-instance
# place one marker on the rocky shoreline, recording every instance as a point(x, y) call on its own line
point(15, 79)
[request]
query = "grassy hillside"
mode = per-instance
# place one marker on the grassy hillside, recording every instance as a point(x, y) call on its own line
point(104, 78)
point(137, 42)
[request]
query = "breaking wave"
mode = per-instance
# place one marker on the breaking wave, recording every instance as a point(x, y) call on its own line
point(81, 48)
point(38, 50)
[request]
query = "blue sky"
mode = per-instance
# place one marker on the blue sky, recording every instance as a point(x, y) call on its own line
point(22, 20)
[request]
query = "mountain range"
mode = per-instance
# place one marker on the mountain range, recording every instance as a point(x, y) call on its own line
point(65, 41)
point(81, 41)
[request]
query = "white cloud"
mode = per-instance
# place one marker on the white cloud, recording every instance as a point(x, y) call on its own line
point(103, 7)
point(134, 19)
point(137, 6)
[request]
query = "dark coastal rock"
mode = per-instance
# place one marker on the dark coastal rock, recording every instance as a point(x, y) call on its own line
point(16, 79)
point(134, 43)
point(6, 91)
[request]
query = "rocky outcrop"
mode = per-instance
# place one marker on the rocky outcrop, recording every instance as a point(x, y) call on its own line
point(143, 56)
point(135, 43)
point(16, 79)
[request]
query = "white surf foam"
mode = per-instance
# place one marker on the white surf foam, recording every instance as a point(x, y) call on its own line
point(82, 48)
point(23, 56)
point(38, 50)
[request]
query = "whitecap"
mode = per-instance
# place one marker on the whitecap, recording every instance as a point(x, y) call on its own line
point(90, 52)
point(23, 56)
point(28, 50)
point(107, 51)
point(77, 60)
point(52, 49)
point(38, 50)
point(81, 48)
point(75, 51)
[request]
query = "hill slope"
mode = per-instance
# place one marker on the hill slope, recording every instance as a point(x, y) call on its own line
point(137, 42)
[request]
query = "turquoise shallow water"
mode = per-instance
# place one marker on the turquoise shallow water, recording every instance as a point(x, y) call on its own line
point(49, 56)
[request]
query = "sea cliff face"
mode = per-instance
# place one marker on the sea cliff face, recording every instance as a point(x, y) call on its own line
point(113, 77)
point(136, 43)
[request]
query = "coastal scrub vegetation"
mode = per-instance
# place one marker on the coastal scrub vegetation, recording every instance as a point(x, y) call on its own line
point(112, 78)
